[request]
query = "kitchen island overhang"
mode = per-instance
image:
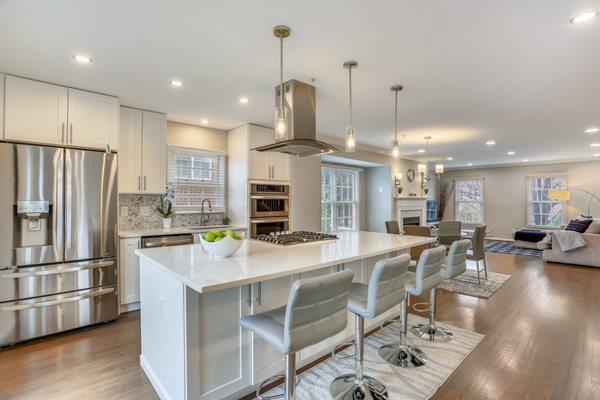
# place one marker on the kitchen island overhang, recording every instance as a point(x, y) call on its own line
point(191, 301)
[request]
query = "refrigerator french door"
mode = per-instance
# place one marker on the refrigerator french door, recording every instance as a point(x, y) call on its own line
point(58, 240)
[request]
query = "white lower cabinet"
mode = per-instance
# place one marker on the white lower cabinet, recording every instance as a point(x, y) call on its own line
point(129, 271)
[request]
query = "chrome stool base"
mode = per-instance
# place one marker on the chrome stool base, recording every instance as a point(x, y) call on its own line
point(432, 333)
point(402, 355)
point(346, 387)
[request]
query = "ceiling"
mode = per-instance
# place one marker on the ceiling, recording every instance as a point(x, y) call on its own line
point(517, 72)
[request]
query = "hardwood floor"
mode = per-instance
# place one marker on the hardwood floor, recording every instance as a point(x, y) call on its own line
point(542, 342)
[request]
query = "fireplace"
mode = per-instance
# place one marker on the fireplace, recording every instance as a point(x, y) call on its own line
point(415, 221)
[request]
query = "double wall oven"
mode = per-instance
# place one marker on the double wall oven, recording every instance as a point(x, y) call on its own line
point(269, 208)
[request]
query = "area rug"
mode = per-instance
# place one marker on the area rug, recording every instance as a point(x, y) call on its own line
point(494, 246)
point(402, 384)
point(468, 284)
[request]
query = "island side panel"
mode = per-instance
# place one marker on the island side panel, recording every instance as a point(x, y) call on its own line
point(162, 330)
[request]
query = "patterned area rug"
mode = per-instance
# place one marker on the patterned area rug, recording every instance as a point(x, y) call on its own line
point(467, 284)
point(493, 246)
point(402, 384)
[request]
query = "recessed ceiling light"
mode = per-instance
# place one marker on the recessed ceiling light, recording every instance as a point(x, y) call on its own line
point(204, 121)
point(525, 160)
point(421, 151)
point(511, 153)
point(490, 142)
point(585, 17)
point(470, 164)
point(82, 59)
point(592, 130)
point(596, 154)
point(175, 83)
point(244, 100)
point(449, 158)
point(595, 145)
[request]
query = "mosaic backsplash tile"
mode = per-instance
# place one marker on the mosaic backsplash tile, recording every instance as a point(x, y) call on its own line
point(135, 220)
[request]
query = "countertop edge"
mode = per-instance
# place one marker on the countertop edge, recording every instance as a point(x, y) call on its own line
point(133, 233)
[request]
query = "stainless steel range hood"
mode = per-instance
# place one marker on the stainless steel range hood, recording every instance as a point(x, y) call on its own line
point(301, 102)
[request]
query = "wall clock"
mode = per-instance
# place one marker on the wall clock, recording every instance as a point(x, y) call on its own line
point(410, 174)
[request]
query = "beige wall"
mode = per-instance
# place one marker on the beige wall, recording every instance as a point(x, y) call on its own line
point(505, 192)
point(197, 137)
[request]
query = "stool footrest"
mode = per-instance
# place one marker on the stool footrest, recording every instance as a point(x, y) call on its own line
point(417, 306)
point(269, 381)
point(337, 349)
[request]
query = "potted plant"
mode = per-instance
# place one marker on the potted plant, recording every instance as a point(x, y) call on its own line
point(166, 212)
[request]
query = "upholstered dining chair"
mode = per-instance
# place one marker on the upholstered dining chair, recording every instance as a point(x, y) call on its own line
point(449, 232)
point(478, 252)
point(412, 230)
point(392, 227)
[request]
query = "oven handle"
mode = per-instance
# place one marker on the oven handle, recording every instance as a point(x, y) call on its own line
point(90, 294)
point(57, 270)
point(259, 221)
point(266, 197)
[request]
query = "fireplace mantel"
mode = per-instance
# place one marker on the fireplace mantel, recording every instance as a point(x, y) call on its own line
point(408, 205)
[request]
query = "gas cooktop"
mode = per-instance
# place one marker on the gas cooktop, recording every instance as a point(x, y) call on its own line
point(291, 238)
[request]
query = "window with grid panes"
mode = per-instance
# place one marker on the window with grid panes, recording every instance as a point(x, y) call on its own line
point(541, 210)
point(339, 199)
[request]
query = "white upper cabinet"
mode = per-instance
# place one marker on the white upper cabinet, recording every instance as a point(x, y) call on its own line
point(35, 112)
point(130, 152)
point(266, 165)
point(43, 113)
point(143, 151)
point(93, 120)
point(154, 152)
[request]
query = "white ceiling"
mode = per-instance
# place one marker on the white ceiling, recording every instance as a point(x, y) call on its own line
point(514, 71)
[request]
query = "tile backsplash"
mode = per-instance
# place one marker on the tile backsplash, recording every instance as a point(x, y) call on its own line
point(138, 211)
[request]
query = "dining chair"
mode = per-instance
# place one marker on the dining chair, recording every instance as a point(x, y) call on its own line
point(392, 227)
point(413, 230)
point(449, 232)
point(478, 252)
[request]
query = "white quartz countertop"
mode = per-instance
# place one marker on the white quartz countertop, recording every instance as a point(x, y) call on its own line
point(175, 231)
point(257, 261)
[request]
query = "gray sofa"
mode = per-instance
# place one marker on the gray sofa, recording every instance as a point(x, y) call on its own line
point(588, 255)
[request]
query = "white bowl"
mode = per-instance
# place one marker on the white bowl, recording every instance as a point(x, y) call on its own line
point(224, 247)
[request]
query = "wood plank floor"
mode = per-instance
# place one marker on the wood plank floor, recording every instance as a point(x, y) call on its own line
point(542, 327)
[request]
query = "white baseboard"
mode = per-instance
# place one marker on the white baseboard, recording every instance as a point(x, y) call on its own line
point(123, 308)
point(160, 390)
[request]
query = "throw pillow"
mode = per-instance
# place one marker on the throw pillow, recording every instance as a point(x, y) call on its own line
point(578, 225)
point(594, 227)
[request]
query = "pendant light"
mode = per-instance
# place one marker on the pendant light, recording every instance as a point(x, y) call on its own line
point(281, 120)
point(350, 129)
point(395, 145)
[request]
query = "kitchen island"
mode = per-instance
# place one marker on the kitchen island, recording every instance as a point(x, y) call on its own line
point(191, 302)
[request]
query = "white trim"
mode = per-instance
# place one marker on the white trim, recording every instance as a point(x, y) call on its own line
point(156, 384)
point(341, 166)
point(198, 149)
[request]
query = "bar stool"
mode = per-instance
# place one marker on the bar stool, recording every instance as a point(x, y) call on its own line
point(456, 264)
point(384, 291)
point(427, 276)
point(316, 310)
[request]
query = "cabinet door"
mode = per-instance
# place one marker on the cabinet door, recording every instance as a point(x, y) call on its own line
point(130, 151)
point(260, 162)
point(154, 152)
point(266, 360)
point(129, 271)
point(280, 164)
point(35, 111)
point(93, 120)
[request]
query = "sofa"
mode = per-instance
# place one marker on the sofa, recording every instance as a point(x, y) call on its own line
point(588, 255)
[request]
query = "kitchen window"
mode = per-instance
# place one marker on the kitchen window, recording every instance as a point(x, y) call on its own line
point(339, 199)
point(196, 175)
point(469, 200)
point(541, 210)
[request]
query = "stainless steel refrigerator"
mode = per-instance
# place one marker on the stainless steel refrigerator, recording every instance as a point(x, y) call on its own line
point(58, 240)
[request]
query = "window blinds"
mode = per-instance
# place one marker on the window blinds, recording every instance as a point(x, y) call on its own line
point(196, 175)
point(339, 199)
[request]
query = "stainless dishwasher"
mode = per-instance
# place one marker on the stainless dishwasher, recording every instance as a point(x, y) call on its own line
point(167, 240)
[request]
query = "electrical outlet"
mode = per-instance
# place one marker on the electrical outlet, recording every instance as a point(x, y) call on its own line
point(380, 189)
point(161, 307)
point(145, 211)
point(124, 211)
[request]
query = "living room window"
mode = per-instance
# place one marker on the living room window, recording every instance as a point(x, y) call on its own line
point(196, 175)
point(339, 198)
point(469, 200)
point(541, 210)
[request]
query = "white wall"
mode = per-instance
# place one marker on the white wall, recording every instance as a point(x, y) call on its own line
point(379, 201)
point(305, 194)
point(505, 195)
point(197, 137)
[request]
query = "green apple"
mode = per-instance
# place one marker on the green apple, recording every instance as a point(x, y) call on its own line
point(210, 237)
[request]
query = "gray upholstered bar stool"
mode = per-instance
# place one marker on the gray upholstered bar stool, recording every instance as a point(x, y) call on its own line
point(384, 291)
point(427, 276)
point(456, 264)
point(316, 310)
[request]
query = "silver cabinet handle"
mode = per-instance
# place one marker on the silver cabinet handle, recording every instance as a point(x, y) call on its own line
point(59, 269)
point(62, 135)
point(259, 293)
point(144, 183)
point(249, 299)
point(71, 129)
point(92, 293)
point(139, 182)
point(273, 174)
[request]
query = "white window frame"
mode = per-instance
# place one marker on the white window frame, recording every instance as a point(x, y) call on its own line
point(334, 203)
point(222, 179)
point(457, 201)
point(529, 202)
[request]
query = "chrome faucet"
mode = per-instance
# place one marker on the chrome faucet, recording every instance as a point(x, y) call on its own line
point(202, 221)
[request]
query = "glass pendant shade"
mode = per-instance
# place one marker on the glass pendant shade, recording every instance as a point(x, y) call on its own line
point(281, 125)
point(395, 149)
point(350, 141)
